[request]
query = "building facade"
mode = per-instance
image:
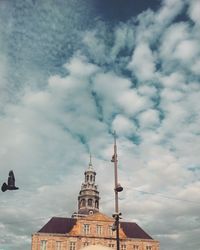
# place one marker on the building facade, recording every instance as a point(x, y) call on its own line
point(88, 226)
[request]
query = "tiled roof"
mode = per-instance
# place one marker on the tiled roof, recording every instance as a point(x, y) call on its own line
point(132, 230)
point(58, 225)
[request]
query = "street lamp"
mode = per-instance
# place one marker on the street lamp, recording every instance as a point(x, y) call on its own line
point(118, 188)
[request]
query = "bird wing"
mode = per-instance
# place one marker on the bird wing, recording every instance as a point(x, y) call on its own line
point(11, 179)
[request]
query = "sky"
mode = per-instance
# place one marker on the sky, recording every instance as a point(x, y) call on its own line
point(72, 72)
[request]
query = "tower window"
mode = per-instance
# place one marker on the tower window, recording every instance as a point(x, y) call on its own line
point(87, 178)
point(90, 202)
point(96, 204)
point(91, 178)
point(83, 202)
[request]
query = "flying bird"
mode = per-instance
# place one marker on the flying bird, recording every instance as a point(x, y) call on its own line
point(11, 183)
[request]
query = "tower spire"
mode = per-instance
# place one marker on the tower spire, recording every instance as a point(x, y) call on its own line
point(88, 199)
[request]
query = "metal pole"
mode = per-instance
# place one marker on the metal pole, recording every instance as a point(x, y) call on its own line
point(118, 188)
point(115, 174)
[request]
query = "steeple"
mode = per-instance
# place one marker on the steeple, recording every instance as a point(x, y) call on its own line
point(88, 199)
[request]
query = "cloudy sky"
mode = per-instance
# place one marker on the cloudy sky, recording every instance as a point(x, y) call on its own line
point(73, 71)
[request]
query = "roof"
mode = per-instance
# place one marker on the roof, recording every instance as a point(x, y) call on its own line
point(132, 230)
point(58, 225)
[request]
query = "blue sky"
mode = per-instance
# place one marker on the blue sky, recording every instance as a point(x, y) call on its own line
point(70, 74)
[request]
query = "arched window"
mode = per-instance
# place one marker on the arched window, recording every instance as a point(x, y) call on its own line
point(90, 202)
point(96, 204)
point(91, 178)
point(83, 202)
point(87, 177)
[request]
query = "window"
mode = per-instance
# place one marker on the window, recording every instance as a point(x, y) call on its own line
point(72, 245)
point(148, 247)
point(111, 245)
point(135, 247)
point(123, 247)
point(83, 202)
point(43, 245)
point(90, 202)
point(86, 228)
point(99, 229)
point(86, 244)
point(96, 204)
point(58, 245)
point(110, 231)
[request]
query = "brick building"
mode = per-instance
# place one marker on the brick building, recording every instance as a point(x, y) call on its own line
point(88, 226)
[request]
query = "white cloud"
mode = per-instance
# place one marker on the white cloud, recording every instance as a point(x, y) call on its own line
point(142, 63)
point(132, 103)
point(79, 67)
point(186, 50)
point(123, 126)
point(146, 90)
point(196, 67)
point(149, 118)
point(96, 47)
point(172, 37)
point(174, 80)
point(168, 11)
point(194, 10)
point(124, 39)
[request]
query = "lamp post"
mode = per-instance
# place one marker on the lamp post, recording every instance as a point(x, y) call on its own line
point(117, 189)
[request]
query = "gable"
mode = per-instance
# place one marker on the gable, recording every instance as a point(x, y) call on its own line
point(98, 217)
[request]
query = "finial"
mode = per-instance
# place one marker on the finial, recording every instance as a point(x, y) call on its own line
point(90, 160)
point(90, 163)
